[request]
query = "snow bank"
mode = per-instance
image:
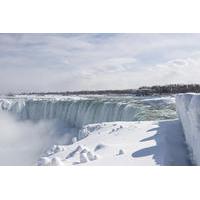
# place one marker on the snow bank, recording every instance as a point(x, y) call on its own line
point(188, 109)
point(124, 143)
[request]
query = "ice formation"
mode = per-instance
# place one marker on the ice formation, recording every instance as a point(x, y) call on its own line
point(76, 112)
point(188, 108)
point(47, 161)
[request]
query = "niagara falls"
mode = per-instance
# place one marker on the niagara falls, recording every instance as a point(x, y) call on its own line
point(99, 99)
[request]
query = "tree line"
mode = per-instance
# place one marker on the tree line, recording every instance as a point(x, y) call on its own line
point(145, 90)
point(172, 88)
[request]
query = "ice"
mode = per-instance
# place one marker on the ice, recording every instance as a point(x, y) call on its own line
point(78, 111)
point(99, 147)
point(86, 155)
point(91, 156)
point(121, 151)
point(74, 139)
point(44, 161)
point(56, 161)
point(83, 157)
point(47, 161)
point(56, 149)
point(188, 108)
point(74, 152)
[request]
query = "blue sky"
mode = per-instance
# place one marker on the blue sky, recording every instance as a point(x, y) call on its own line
point(60, 62)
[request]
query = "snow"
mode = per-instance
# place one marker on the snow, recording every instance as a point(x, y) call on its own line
point(126, 143)
point(55, 161)
point(74, 139)
point(55, 149)
point(188, 108)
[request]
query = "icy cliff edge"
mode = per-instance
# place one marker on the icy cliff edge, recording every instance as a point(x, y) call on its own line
point(188, 109)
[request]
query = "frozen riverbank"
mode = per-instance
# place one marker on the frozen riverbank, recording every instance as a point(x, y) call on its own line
point(124, 143)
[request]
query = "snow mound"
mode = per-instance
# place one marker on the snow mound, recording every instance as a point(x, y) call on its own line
point(99, 147)
point(81, 155)
point(136, 143)
point(74, 140)
point(46, 161)
point(56, 162)
point(121, 152)
point(91, 156)
point(55, 149)
point(74, 152)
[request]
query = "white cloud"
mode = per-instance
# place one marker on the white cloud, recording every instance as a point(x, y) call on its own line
point(58, 62)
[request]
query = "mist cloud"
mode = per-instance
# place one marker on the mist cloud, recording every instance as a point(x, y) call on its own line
point(23, 142)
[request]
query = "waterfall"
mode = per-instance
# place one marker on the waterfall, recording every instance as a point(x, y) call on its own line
point(75, 113)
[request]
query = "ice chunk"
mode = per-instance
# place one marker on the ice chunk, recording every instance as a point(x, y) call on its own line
point(83, 158)
point(91, 156)
point(56, 161)
point(99, 146)
point(77, 150)
point(74, 140)
point(121, 152)
point(44, 161)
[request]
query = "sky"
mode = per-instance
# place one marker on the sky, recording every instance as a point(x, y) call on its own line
point(70, 62)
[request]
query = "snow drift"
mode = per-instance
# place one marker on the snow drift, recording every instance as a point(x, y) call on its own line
point(188, 109)
point(123, 143)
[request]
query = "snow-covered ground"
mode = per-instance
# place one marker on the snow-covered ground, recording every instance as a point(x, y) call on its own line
point(123, 143)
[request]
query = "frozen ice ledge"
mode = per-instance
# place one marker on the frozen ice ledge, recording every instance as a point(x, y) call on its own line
point(77, 112)
point(188, 109)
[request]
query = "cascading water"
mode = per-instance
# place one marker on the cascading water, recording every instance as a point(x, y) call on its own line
point(79, 111)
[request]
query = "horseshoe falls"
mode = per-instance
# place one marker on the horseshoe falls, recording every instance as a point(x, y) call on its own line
point(77, 111)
